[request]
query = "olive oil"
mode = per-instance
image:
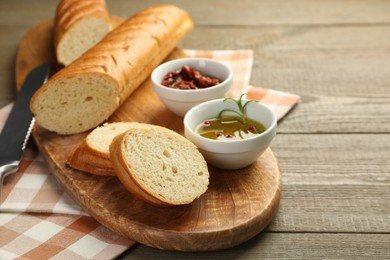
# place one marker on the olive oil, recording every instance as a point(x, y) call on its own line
point(232, 128)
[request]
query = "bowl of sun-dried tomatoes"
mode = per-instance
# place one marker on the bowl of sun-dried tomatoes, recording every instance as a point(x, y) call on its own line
point(184, 83)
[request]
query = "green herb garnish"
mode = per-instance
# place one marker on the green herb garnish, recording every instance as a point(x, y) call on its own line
point(241, 114)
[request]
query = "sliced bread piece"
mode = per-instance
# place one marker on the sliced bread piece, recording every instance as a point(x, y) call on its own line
point(79, 25)
point(93, 154)
point(159, 166)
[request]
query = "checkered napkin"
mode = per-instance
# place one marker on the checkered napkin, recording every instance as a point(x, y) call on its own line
point(39, 220)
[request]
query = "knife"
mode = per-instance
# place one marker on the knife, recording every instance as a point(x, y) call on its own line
point(18, 126)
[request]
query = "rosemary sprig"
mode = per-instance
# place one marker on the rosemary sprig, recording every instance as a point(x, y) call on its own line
point(241, 107)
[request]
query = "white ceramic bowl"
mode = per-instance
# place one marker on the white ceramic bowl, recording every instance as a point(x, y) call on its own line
point(179, 101)
point(232, 154)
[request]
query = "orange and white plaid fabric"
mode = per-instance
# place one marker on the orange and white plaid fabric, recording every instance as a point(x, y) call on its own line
point(39, 220)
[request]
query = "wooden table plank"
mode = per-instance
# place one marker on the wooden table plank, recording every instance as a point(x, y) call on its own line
point(330, 159)
point(286, 246)
point(333, 183)
point(290, 38)
point(248, 12)
point(214, 13)
point(333, 209)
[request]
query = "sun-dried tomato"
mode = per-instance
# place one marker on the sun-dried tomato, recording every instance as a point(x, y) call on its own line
point(184, 84)
point(188, 78)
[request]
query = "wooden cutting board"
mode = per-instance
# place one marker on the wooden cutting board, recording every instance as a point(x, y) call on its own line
point(238, 205)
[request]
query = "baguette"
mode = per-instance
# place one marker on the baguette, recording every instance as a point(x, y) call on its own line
point(159, 166)
point(84, 94)
point(93, 154)
point(79, 25)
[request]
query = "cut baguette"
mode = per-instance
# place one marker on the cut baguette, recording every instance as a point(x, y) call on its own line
point(93, 154)
point(84, 94)
point(159, 166)
point(79, 25)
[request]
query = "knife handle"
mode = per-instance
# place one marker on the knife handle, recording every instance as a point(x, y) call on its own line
point(5, 170)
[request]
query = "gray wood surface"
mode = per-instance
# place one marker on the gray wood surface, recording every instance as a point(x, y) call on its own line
point(333, 148)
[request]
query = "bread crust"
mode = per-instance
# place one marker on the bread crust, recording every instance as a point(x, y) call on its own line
point(127, 56)
point(89, 160)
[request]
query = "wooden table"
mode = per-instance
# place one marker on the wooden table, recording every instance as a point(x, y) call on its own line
point(333, 148)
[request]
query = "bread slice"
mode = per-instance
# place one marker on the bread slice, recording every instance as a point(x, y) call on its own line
point(93, 154)
point(79, 25)
point(84, 94)
point(159, 166)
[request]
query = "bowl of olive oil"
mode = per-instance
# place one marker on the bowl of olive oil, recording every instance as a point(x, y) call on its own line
point(231, 133)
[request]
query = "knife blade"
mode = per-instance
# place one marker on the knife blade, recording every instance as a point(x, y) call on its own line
point(17, 128)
